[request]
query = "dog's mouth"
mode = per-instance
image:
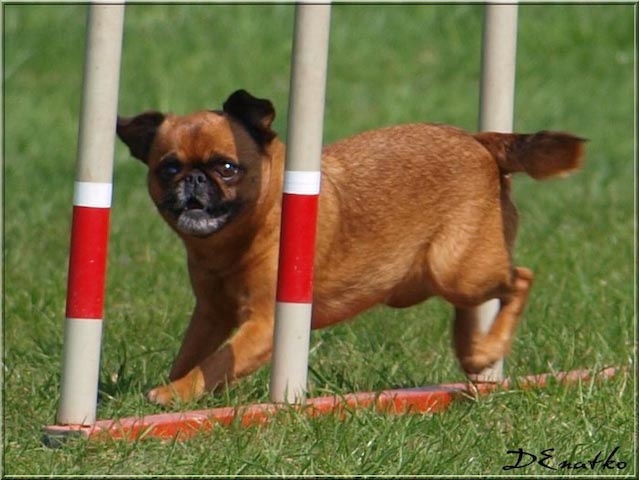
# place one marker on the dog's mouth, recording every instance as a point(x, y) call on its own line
point(194, 204)
point(199, 220)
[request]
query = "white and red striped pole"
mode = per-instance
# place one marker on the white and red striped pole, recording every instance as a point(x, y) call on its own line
point(90, 223)
point(299, 204)
point(496, 109)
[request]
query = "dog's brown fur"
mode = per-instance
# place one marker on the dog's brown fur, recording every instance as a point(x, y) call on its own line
point(406, 213)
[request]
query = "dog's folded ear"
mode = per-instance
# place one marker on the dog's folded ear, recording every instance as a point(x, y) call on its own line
point(256, 114)
point(138, 132)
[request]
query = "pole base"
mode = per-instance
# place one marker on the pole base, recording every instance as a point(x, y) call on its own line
point(429, 399)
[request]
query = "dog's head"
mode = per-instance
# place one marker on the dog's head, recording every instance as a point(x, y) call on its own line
point(204, 169)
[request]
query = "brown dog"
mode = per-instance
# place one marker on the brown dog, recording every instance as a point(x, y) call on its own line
point(406, 213)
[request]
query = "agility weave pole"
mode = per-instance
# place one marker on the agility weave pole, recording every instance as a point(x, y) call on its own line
point(420, 400)
point(90, 223)
point(299, 204)
point(496, 112)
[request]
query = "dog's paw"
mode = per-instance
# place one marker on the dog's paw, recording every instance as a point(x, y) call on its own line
point(185, 389)
point(476, 363)
point(483, 355)
point(163, 395)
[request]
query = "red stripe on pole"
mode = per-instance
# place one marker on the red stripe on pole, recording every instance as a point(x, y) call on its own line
point(87, 262)
point(297, 248)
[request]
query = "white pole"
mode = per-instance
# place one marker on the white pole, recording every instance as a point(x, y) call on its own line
point(499, 52)
point(92, 201)
point(497, 99)
point(299, 207)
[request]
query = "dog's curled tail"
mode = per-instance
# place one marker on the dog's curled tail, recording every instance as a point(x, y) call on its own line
point(541, 155)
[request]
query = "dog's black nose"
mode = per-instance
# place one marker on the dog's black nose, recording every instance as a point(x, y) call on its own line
point(196, 177)
point(196, 183)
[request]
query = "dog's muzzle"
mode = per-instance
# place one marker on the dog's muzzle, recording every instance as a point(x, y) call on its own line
point(198, 207)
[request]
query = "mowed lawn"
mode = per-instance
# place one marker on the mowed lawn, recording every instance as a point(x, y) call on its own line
point(388, 64)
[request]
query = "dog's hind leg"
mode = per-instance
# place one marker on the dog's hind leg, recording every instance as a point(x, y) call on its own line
point(476, 350)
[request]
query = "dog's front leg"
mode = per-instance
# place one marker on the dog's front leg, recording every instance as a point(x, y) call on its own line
point(209, 328)
point(248, 349)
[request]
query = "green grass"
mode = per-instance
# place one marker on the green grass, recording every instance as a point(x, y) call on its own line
point(388, 64)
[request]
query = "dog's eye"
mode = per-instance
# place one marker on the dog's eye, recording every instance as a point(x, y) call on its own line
point(227, 170)
point(169, 168)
